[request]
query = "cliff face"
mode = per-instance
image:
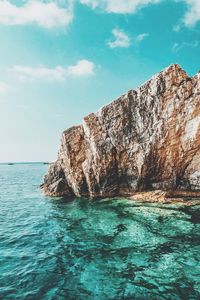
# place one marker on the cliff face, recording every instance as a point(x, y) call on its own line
point(148, 139)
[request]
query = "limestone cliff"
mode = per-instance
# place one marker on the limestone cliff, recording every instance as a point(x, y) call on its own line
point(148, 139)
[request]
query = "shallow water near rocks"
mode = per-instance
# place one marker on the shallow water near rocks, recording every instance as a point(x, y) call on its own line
point(83, 249)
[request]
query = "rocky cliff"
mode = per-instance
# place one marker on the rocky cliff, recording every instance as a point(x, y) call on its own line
point(148, 139)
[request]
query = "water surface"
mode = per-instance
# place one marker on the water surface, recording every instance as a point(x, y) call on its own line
point(93, 250)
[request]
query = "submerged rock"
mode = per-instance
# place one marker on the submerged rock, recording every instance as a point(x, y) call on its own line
point(148, 139)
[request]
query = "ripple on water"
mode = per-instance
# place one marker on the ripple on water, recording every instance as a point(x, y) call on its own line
point(82, 250)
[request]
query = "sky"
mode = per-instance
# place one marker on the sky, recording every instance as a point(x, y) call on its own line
point(61, 60)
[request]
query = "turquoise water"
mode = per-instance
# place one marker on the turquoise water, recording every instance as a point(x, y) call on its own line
point(85, 250)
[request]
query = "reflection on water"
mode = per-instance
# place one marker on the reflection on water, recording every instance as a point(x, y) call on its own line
point(83, 249)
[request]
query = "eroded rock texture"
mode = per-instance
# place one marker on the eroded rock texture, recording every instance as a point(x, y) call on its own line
point(148, 139)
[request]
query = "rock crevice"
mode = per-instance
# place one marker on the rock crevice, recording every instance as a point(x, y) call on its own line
point(147, 139)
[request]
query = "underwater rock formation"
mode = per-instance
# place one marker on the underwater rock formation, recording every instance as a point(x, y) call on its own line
point(148, 139)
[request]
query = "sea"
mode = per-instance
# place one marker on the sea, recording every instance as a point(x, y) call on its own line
point(82, 249)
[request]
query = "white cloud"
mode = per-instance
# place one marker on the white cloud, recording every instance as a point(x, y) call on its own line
point(177, 27)
point(59, 73)
point(3, 87)
point(118, 6)
point(140, 37)
point(179, 46)
point(121, 39)
point(47, 15)
point(82, 68)
point(192, 15)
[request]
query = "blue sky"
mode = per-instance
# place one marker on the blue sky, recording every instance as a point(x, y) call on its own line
point(60, 60)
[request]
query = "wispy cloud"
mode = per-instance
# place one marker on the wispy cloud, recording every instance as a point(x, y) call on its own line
point(121, 39)
point(177, 27)
point(3, 87)
point(44, 14)
point(81, 68)
point(140, 37)
point(179, 46)
point(119, 6)
point(192, 15)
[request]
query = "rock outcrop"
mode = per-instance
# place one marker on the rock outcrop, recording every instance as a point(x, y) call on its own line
point(148, 139)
